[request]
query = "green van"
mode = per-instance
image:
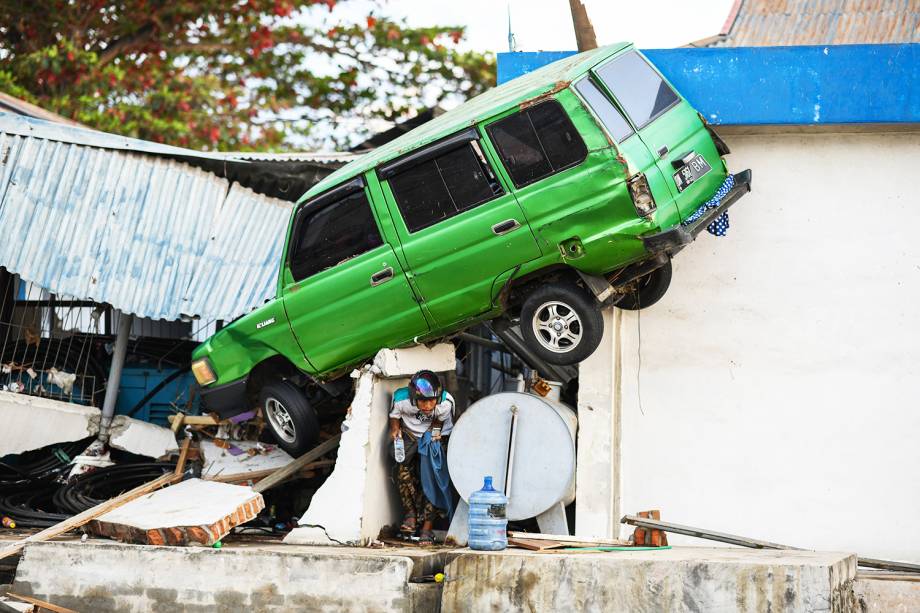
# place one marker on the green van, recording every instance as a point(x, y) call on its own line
point(540, 200)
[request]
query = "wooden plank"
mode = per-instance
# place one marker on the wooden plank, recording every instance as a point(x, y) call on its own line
point(565, 538)
point(285, 472)
point(183, 456)
point(42, 604)
point(535, 545)
point(175, 421)
point(192, 420)
point(88, 515)
point(258, 475)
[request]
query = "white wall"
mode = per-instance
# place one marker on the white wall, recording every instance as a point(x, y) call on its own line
point(779, 383)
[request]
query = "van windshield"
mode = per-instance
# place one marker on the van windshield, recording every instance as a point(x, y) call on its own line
point(641, 92)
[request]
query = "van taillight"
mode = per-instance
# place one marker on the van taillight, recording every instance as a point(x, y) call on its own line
point(641, 195)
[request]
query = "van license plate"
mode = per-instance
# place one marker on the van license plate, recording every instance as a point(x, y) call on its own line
point(691, 171)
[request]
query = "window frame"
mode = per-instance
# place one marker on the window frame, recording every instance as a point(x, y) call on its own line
point(469, 137)
point(320, 202)
point(595, 71)
point(591, 78)
point(555, 171)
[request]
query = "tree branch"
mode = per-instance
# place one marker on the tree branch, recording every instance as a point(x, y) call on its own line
point(112, 51)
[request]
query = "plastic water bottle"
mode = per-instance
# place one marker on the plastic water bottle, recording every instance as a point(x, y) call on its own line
point(399, 449)
point(488, 523)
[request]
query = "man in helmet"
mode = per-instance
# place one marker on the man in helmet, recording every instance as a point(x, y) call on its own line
point(421, 407)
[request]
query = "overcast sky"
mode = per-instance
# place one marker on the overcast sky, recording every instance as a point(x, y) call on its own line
point(547, 24)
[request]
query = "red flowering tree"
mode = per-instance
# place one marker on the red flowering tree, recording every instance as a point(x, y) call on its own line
point(230, 74)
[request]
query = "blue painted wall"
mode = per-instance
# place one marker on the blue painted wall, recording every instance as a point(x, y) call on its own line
point(136, 381)
point(780, 85)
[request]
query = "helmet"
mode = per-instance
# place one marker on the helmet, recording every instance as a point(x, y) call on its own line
point(424, 385)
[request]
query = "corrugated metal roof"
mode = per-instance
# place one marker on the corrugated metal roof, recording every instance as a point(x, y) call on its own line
point(764, 23)
point(149, 235)
point(27, 126)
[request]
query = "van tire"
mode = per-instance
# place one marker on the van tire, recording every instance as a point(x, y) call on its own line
point(647, 290)
point(290, 418)
point(565, 306)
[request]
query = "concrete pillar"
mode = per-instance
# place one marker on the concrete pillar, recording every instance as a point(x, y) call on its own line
point(114, 380)
point(597, 483)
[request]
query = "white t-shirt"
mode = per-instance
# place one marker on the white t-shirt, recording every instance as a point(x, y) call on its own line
point(415, 420)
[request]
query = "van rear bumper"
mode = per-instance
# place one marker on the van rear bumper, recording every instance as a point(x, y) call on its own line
point(673, 240)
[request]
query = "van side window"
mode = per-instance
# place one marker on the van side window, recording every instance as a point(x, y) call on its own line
point(444, 186)
point(537, 142)
point(609, 115)
point(642, 93)
point(331, 234)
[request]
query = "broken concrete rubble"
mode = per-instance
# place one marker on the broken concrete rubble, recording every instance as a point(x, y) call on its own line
point(194, 512)
point(408, 361)
point(30, 422)
point(141, 437)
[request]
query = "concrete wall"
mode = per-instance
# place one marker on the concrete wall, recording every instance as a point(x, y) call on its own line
point(686, 579)
point(101, 576)
point(777, 394)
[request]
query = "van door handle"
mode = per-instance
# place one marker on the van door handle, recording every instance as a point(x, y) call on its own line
point(381, 277)
point(503, 227)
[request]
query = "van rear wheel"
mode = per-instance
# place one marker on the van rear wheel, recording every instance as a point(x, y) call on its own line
point(561, 323)
point(646, 290)
point(291, 419)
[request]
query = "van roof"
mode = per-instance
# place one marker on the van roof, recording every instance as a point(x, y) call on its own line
point(485, 105)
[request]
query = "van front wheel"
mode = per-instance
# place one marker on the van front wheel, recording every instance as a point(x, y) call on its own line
point(290, 417)
point(561, 323)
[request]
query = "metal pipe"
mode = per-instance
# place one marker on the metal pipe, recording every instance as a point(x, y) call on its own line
point(478, 340)
point(114, 380)
point(743, 541)
point(509, 465)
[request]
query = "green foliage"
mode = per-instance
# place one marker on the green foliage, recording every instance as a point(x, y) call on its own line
point(230, 74)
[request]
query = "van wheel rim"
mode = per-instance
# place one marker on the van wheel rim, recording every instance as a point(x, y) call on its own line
point(280, 419)
point(557, 326)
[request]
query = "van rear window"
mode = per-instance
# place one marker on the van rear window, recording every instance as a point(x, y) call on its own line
point(642, 93)
point(537, 142)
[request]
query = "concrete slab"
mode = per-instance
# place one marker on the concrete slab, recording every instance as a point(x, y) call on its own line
point(879, 592)
point(408, 361)
point(141, 437)
point(193, 512)
point(220, 462)
point(684, 579)
point(102, 576)
point(30, 422)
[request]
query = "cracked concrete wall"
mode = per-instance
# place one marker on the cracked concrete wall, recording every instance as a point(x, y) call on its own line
point(358, 498)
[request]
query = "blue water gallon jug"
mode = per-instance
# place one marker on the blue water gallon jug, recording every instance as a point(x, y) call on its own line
point(488, 522)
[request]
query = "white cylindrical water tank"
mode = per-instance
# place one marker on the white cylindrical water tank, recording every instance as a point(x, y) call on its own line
point(539, 449)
